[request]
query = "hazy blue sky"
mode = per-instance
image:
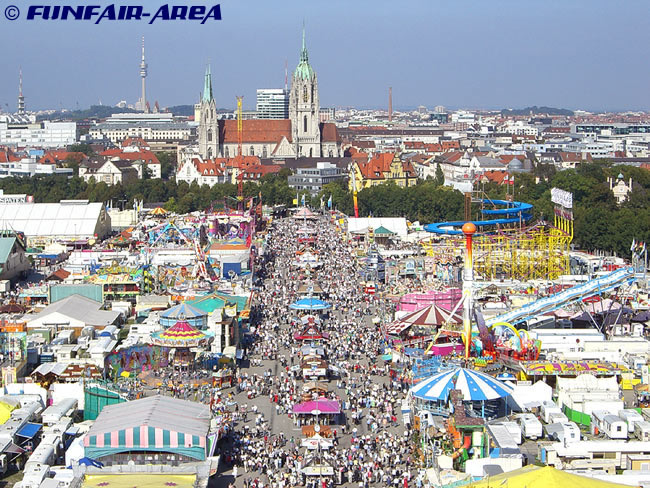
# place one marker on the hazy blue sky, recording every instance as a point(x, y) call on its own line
point(579, 54)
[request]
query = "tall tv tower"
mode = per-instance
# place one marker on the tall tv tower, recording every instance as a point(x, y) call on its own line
point(21, 97)
point(143, 75)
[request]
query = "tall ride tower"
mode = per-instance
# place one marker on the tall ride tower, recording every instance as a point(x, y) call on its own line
point(21, 97)
point(142, 104)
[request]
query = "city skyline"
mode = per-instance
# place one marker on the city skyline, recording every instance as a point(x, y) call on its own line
point(501, 55)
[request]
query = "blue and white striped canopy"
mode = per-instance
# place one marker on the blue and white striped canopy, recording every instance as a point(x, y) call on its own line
point(473, 384)
point(183, 311)
point(310, 304)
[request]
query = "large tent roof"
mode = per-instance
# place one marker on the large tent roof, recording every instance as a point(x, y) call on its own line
point(532, 476)
point(157, 423)
point(66, 218)
point(430, 316)
point(79, 308)
point(474, 386)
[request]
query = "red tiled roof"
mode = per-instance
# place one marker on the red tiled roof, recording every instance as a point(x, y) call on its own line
point(251, 172)
point(453, 156)
point(240, 162)
point(408, 168)
point(57, 156)
point(135, 142)
point(447, 145)
point(433, 148)
point(498, 177)
point(377, 166)
point(328, 132)
point(60, 275)
point(7, 155)
point(209, 167)
point(147, 156)
point(268, 131)
point(507, 158)
point(255, 130)
point(414, 145)
point(364, 144)
point(419, 158)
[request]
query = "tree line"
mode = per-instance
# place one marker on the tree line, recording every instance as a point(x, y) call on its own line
point(600, 223)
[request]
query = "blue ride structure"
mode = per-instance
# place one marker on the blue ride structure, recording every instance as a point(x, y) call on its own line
point(510, 213)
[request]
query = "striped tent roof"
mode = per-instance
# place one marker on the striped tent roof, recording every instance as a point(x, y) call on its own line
point(156, 423)
point(430, 316)
point(473, 385)
point(183, 310)
point(181, 334)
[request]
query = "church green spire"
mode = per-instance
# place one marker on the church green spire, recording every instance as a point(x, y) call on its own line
point(207, 86)
point(304, 69)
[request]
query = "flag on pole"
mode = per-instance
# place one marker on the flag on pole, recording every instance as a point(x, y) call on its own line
point(302, 201)
point(329, 202)
point(321, 202)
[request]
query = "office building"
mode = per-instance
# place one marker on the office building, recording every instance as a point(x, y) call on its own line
point(313, 178)
point(23, 131)
point(272, 103)
point(153, 128)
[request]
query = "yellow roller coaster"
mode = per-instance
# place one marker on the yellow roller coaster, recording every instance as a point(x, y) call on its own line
point(540, 251)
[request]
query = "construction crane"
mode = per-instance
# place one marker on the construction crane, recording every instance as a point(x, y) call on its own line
point(240, 157)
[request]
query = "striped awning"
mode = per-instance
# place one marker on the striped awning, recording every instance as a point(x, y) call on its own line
point(145, 438)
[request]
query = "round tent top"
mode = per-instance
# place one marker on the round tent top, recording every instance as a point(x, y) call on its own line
point(182, 334)
point(469, 228)
point(183, 311)
point(474, 385)
point(159, 211)
point(310, 304)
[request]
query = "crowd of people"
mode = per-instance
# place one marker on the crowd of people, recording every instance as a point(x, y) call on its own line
point(368, 445)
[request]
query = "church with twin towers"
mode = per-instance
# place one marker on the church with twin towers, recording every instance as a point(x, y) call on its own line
point(301, 135)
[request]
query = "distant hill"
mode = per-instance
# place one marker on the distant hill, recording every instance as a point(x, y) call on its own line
point(535, 110)
point(94, 112)
point(188, 110)
point(182, 110)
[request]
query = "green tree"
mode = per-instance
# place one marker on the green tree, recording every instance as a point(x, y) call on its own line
point(167, 163)
point(82, 148)
point(439, 179)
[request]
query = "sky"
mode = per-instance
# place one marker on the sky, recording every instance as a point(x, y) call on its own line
point(480, 54)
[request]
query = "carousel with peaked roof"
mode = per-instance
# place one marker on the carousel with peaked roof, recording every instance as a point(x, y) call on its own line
point(181, 342)
point(427, 325)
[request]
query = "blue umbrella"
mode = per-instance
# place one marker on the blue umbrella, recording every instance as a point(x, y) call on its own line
point(310, 304)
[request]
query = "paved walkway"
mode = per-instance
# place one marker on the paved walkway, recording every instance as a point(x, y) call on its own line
point(282, 424)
